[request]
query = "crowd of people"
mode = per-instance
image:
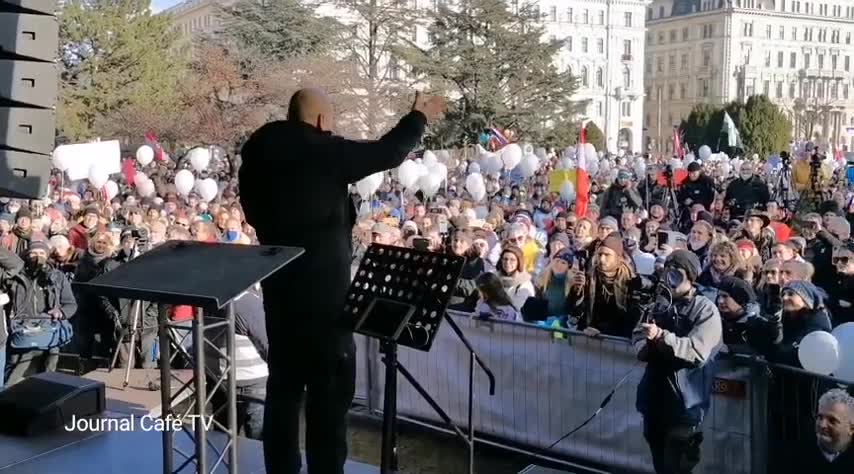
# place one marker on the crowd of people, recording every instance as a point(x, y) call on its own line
point(743, 272)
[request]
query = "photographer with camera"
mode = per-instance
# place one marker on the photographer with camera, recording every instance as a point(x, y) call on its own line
point(746, 192)
point(679, 341)
point(620, 196)
point(807, 173)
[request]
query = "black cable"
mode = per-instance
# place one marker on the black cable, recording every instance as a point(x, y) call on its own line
point(602, 405)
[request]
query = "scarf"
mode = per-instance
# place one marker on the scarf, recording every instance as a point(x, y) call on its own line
point(613, 285)
point(23, 234)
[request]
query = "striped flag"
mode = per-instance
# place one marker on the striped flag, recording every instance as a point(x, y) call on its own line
point(151, 140)
point(582, 180)
point(497, 140)
point(678, 150)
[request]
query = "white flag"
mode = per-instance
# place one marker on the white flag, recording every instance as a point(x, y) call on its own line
point(733, 137)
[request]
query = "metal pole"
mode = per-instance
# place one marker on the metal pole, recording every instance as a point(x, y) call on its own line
point(165, 384)
point(471, 406)
point(201, 393)
point(137, 305)
point(659, 121)
point(388, 463)
point(232, 392)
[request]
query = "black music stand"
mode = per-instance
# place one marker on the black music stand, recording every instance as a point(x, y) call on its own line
point(208, 277)
point(400, 296)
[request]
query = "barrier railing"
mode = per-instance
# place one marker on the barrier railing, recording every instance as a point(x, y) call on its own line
point(546, 386)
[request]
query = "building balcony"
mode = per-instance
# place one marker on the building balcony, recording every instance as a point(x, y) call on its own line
point(626, 57)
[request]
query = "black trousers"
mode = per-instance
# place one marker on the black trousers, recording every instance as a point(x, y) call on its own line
point(324, 377)
point(675, 447)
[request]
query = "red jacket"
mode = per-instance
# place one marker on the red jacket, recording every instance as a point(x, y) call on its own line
point(182, 313)
point(78, 236)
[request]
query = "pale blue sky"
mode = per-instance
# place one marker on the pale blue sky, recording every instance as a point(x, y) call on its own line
point(158, 5)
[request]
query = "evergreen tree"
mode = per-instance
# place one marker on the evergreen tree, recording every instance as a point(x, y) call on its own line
point(502, 73)
point(593, 134)
point(276, 30)
point(114, 54)
point(764, 128)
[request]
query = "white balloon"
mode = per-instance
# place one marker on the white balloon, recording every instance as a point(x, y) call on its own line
point(429, 184)
point(407, 174)
point(61, 159)
point(592, 167)
point(528, 149)
point(567, 191)
point(640, 169)
point(705, 152)
point(475, 186)
point(440, 170)
point(541, 153)
point(726, 169)
point(474, 168)
point(511, 155)
point(819, 353)
point(675, 163)
point(144, 155)
point(184, 181)
point(200, 158)
point(208, 189)
point(98, 176)
point(529, 165)
point(844, 334)
point(444, 156)
point(145, 188)
point(112, 189)
point(140, 177)
point(491, 163)
point(430, 158)
point(368, 185)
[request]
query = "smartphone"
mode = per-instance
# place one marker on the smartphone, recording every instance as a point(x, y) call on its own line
point(421, 243)
point(443, 226)
point(663, 237)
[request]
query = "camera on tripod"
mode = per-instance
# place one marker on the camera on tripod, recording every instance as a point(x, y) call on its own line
point(785, 159)
point(815, 162)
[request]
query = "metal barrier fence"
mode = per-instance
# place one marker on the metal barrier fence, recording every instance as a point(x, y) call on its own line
point(547, 386)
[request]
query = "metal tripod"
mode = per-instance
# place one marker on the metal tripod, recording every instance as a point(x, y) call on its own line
point(136, 327)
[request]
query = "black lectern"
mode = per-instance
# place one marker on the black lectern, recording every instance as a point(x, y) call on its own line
point(207, 277)
point(400, 297)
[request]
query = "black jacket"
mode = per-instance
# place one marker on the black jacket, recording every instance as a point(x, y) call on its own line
point(812, 460)
point(782, 333)
point(819, 252)
point(10, 266)
point(701, 191)
point(294, 190)
point(742, 196)
point(617, 199)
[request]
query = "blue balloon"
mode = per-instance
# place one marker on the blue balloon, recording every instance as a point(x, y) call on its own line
point(484, 139)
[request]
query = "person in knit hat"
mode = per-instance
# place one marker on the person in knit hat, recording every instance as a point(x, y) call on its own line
point(804, 312)
point(606, 302)
point(8, 240)
point(23, 230)
point(680, 347)
point(737, 304)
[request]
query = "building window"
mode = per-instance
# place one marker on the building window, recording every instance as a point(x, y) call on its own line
point(833, 62)
point(683, 89)
point(671, 92)
point(661, 12)
point(780, 89)
point(806, 60)
point(569, 43)
point(768, 59)
point(627, 109)
point(684, 34)
point(649, 13)
point(601, 18)
point(684, 63)
point(768, 31)
point(584, 79)
point(569, 15)
point(672, 36)
point(703, 87)
point(847, 63)
point(671, 63)
point(821, 61)
point(600, 46)
point(646, 91)
point(553, 13)
point(627, 19)
point(747, 29)
point(600, 78)
point(794, 33)
point(659, 64)
point(646, 119)
point(648, 67)
point(792, 90)
point(834, 90)
point(627, 78)
point(779, 59)
point(583, 45)
point(848, 35)
point(819, 92)
point(627, 48)
point(585, 16)
point(793, 60)
point(766, 88)
point(600, 109)
point(782, 32)
point(660, 37)
point(707, 57)
point(845, 94)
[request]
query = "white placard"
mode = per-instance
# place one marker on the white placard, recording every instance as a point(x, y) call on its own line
point(82, 156)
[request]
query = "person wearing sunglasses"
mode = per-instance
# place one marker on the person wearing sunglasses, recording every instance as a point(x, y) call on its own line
point(770, 285)
point(804, 312)
point(841, 304)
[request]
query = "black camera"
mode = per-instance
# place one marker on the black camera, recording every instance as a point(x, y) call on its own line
point(785, 159)
point(815, 161)
point(642, 291)
point(668, 172)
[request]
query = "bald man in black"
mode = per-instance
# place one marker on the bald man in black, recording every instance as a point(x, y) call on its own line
point(293, 188)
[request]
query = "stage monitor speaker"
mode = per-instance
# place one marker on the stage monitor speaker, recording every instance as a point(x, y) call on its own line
point(47, 401)
point(29, 39)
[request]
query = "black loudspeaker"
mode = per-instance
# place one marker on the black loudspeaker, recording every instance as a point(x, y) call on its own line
point(29, 39)
point(47, 401)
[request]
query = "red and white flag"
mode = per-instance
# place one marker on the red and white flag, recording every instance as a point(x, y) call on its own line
point(152, 141)
point(677, 145)
point(582, 179)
